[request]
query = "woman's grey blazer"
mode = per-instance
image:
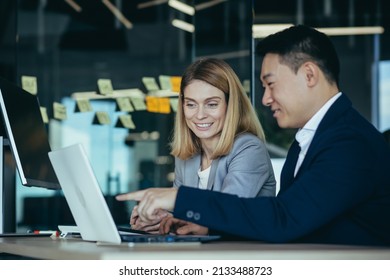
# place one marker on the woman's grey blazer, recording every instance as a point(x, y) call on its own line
point(246, 171)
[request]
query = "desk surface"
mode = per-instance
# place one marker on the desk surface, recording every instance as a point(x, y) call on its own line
point(68, 249)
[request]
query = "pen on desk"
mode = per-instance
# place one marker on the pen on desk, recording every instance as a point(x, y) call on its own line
point(51, 232)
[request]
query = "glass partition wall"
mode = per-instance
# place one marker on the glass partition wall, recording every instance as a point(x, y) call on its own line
point(105, 69)
point(73, 50)
point(76, 50)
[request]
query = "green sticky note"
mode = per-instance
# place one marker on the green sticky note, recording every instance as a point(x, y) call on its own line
point(45, 118)
point(150, 83)
point(59, 111)
point(83, 105)
point(105, 86)
point(102, 118)
point(124, 104)
point(126, 121)
point(29, 84)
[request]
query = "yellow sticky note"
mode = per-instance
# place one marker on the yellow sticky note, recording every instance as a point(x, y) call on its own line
point(138, 103)
point(45, 118)
point(124, 104)
point(127, 121)
point(83, 105)
point(105, 86)
point(29, 83)
point(174, 103)
point(103, 117)
point(165, 82)
point(150, 83)
point(158, 105)
point(152, 104)
point(164, 105)
point(175, 81)
point(59, 111)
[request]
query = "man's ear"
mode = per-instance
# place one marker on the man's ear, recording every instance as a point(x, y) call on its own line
point(312, 73)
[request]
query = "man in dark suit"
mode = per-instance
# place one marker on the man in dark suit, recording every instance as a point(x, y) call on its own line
point(335, 184)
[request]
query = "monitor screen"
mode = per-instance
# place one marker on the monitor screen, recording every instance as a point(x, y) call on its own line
point(23, 126)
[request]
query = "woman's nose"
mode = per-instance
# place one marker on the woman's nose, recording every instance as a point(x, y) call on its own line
point(200, 112)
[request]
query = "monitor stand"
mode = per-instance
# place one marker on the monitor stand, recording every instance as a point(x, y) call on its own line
point(1, 186)
point(7, 191)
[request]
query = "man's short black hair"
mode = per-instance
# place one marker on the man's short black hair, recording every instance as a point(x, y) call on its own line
point(299, 44)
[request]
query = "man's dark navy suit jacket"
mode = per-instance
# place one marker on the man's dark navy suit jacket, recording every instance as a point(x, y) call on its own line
point(340, 195)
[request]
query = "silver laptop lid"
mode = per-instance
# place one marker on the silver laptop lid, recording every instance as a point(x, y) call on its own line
point(83, 194)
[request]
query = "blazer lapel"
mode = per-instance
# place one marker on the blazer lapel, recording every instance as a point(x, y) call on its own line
point(213, 171)
point(332, 115)
point(191, 171)
point(287, 175)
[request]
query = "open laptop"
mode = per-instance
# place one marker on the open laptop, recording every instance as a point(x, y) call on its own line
point(88, 206)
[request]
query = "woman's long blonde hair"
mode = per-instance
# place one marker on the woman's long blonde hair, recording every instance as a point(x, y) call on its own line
point(240, 115)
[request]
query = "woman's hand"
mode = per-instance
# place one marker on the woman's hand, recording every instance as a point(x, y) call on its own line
point(170, 224)
point(152, 226)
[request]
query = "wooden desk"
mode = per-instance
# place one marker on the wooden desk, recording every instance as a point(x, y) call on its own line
point(76, 249)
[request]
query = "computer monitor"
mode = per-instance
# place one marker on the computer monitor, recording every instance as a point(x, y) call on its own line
point(23, 126)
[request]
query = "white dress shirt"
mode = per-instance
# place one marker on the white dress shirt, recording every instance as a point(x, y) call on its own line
point(305, 134)
point(204, 177)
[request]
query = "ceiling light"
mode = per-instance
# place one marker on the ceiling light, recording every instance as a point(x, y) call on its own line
point(151, 4)
point(180, 6)
point(118, 14)
point(208, 4)
point(263, 30)
point(74, 5)
point(358, 30)
point(183, 25)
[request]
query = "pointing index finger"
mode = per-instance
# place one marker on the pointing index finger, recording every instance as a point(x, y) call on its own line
point(137, 196)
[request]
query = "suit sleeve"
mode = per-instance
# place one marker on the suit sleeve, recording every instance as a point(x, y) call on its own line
point(335, 180)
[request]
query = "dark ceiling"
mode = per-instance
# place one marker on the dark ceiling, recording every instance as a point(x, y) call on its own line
point(328, 13)
point(324, 13)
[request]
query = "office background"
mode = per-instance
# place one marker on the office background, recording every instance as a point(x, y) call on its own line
point(69, 44)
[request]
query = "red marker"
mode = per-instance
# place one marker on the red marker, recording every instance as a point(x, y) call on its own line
point(49, 232)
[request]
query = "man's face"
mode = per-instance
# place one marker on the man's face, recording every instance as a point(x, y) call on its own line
point(285, 92)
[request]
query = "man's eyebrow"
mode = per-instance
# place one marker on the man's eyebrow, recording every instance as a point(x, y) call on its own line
point(266, 76)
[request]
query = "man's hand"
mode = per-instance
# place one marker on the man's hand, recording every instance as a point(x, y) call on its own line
point(151, 200)
point(172, 225)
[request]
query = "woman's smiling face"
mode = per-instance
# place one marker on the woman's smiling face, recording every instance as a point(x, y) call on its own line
point(204, 110)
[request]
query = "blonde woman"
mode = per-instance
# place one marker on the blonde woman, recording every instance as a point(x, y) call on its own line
point(218, 141)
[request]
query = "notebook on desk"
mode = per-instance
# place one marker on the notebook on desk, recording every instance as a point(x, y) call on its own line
point(88, 206)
